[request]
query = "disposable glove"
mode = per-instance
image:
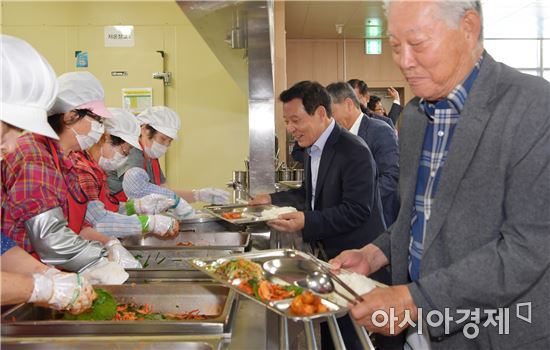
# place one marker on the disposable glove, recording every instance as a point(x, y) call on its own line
point(183, 210)
point(150, 204)
point(62, 291)
point(105, 272)
point(160, 225)
point(121, 256)
point(211, 195)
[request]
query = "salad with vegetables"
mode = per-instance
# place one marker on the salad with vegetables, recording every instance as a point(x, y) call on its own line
point(249, 278)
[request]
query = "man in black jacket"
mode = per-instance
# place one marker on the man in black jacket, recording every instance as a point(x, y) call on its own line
point(380, 138)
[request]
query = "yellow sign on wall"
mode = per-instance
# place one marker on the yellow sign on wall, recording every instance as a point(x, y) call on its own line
point(136, 100)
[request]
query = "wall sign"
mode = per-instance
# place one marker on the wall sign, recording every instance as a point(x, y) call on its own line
point(136, 100)
point(119, 36)
point(81, 59)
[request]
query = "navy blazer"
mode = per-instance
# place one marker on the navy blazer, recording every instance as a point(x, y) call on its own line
point(348, 213)
point(384, 146)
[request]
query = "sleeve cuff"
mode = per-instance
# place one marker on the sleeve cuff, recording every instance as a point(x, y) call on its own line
point(423, 301)
point(311, 227)
point(383, 242)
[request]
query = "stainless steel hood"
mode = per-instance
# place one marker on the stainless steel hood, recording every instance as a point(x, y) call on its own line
point(240, 34)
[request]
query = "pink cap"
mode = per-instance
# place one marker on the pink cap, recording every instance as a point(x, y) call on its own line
point(98, 107)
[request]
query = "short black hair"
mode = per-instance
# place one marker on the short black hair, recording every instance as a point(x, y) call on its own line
point(340, 91)
point(116, 141)
point(359, 85)
point(373, 101)
point(312, 95)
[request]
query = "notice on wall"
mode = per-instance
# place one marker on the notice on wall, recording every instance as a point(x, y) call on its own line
point(119, 36)
point(136, 100)
point(81, 59)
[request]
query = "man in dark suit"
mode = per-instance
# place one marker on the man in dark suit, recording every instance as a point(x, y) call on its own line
point(339, 192)
point(380, 138)
point(473, 232)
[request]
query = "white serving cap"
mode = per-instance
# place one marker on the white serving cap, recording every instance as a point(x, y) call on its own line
point(28, 87)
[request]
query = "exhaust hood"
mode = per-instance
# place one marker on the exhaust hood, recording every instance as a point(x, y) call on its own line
point(240, 34)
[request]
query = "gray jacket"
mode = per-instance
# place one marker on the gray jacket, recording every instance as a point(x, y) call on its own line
point(487, 244)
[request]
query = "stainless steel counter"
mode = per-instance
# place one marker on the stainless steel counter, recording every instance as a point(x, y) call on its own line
point(254, 327)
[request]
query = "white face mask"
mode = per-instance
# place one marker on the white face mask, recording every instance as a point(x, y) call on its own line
point(156, 150)
point(87, 141)
point(112, 164)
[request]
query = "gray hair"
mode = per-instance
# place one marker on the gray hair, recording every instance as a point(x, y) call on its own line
point(340, 91)
point(452, 11)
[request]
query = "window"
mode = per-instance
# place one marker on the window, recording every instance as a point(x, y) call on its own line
point(530, 56)
point(515, 53)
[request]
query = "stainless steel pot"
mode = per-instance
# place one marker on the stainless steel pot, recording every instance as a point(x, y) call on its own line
point(289, 175)
point(284, 175)
point(239, 183)
point(298, 174)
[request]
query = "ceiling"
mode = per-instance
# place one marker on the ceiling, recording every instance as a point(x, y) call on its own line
point(502, 18)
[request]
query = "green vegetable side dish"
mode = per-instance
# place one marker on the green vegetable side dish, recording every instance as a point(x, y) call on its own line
point(103, 308)
point(158, 259)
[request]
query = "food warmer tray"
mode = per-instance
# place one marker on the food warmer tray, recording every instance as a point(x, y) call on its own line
point(227, 240)
point(210, 299)
point(166, 254)
point(250, 213)
point(306, 263)
point(107, 343)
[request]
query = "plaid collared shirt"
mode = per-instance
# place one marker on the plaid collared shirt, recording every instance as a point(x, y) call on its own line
point(31, 185)
point(442, 117)
point(91, 178)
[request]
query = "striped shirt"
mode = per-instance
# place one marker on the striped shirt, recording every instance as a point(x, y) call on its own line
point(31, 185)
point(443, 117)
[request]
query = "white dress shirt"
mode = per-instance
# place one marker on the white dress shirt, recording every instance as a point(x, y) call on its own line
point(315, 153)
point(355, 127)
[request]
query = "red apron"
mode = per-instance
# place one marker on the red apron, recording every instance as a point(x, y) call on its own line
point(154, 164)
point(110, 202)
point(120, 196)
point(77, 210)
point(156, 170)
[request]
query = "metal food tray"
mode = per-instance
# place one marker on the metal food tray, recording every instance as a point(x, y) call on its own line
point(195, 343)
point(281, 307)
point(174, 259)
point(250, 213)
point(227, 240)
point(210, 299)
point(165, 254)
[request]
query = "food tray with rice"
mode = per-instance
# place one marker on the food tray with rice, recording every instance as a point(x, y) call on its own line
point(239, 214)
point(272, 278)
